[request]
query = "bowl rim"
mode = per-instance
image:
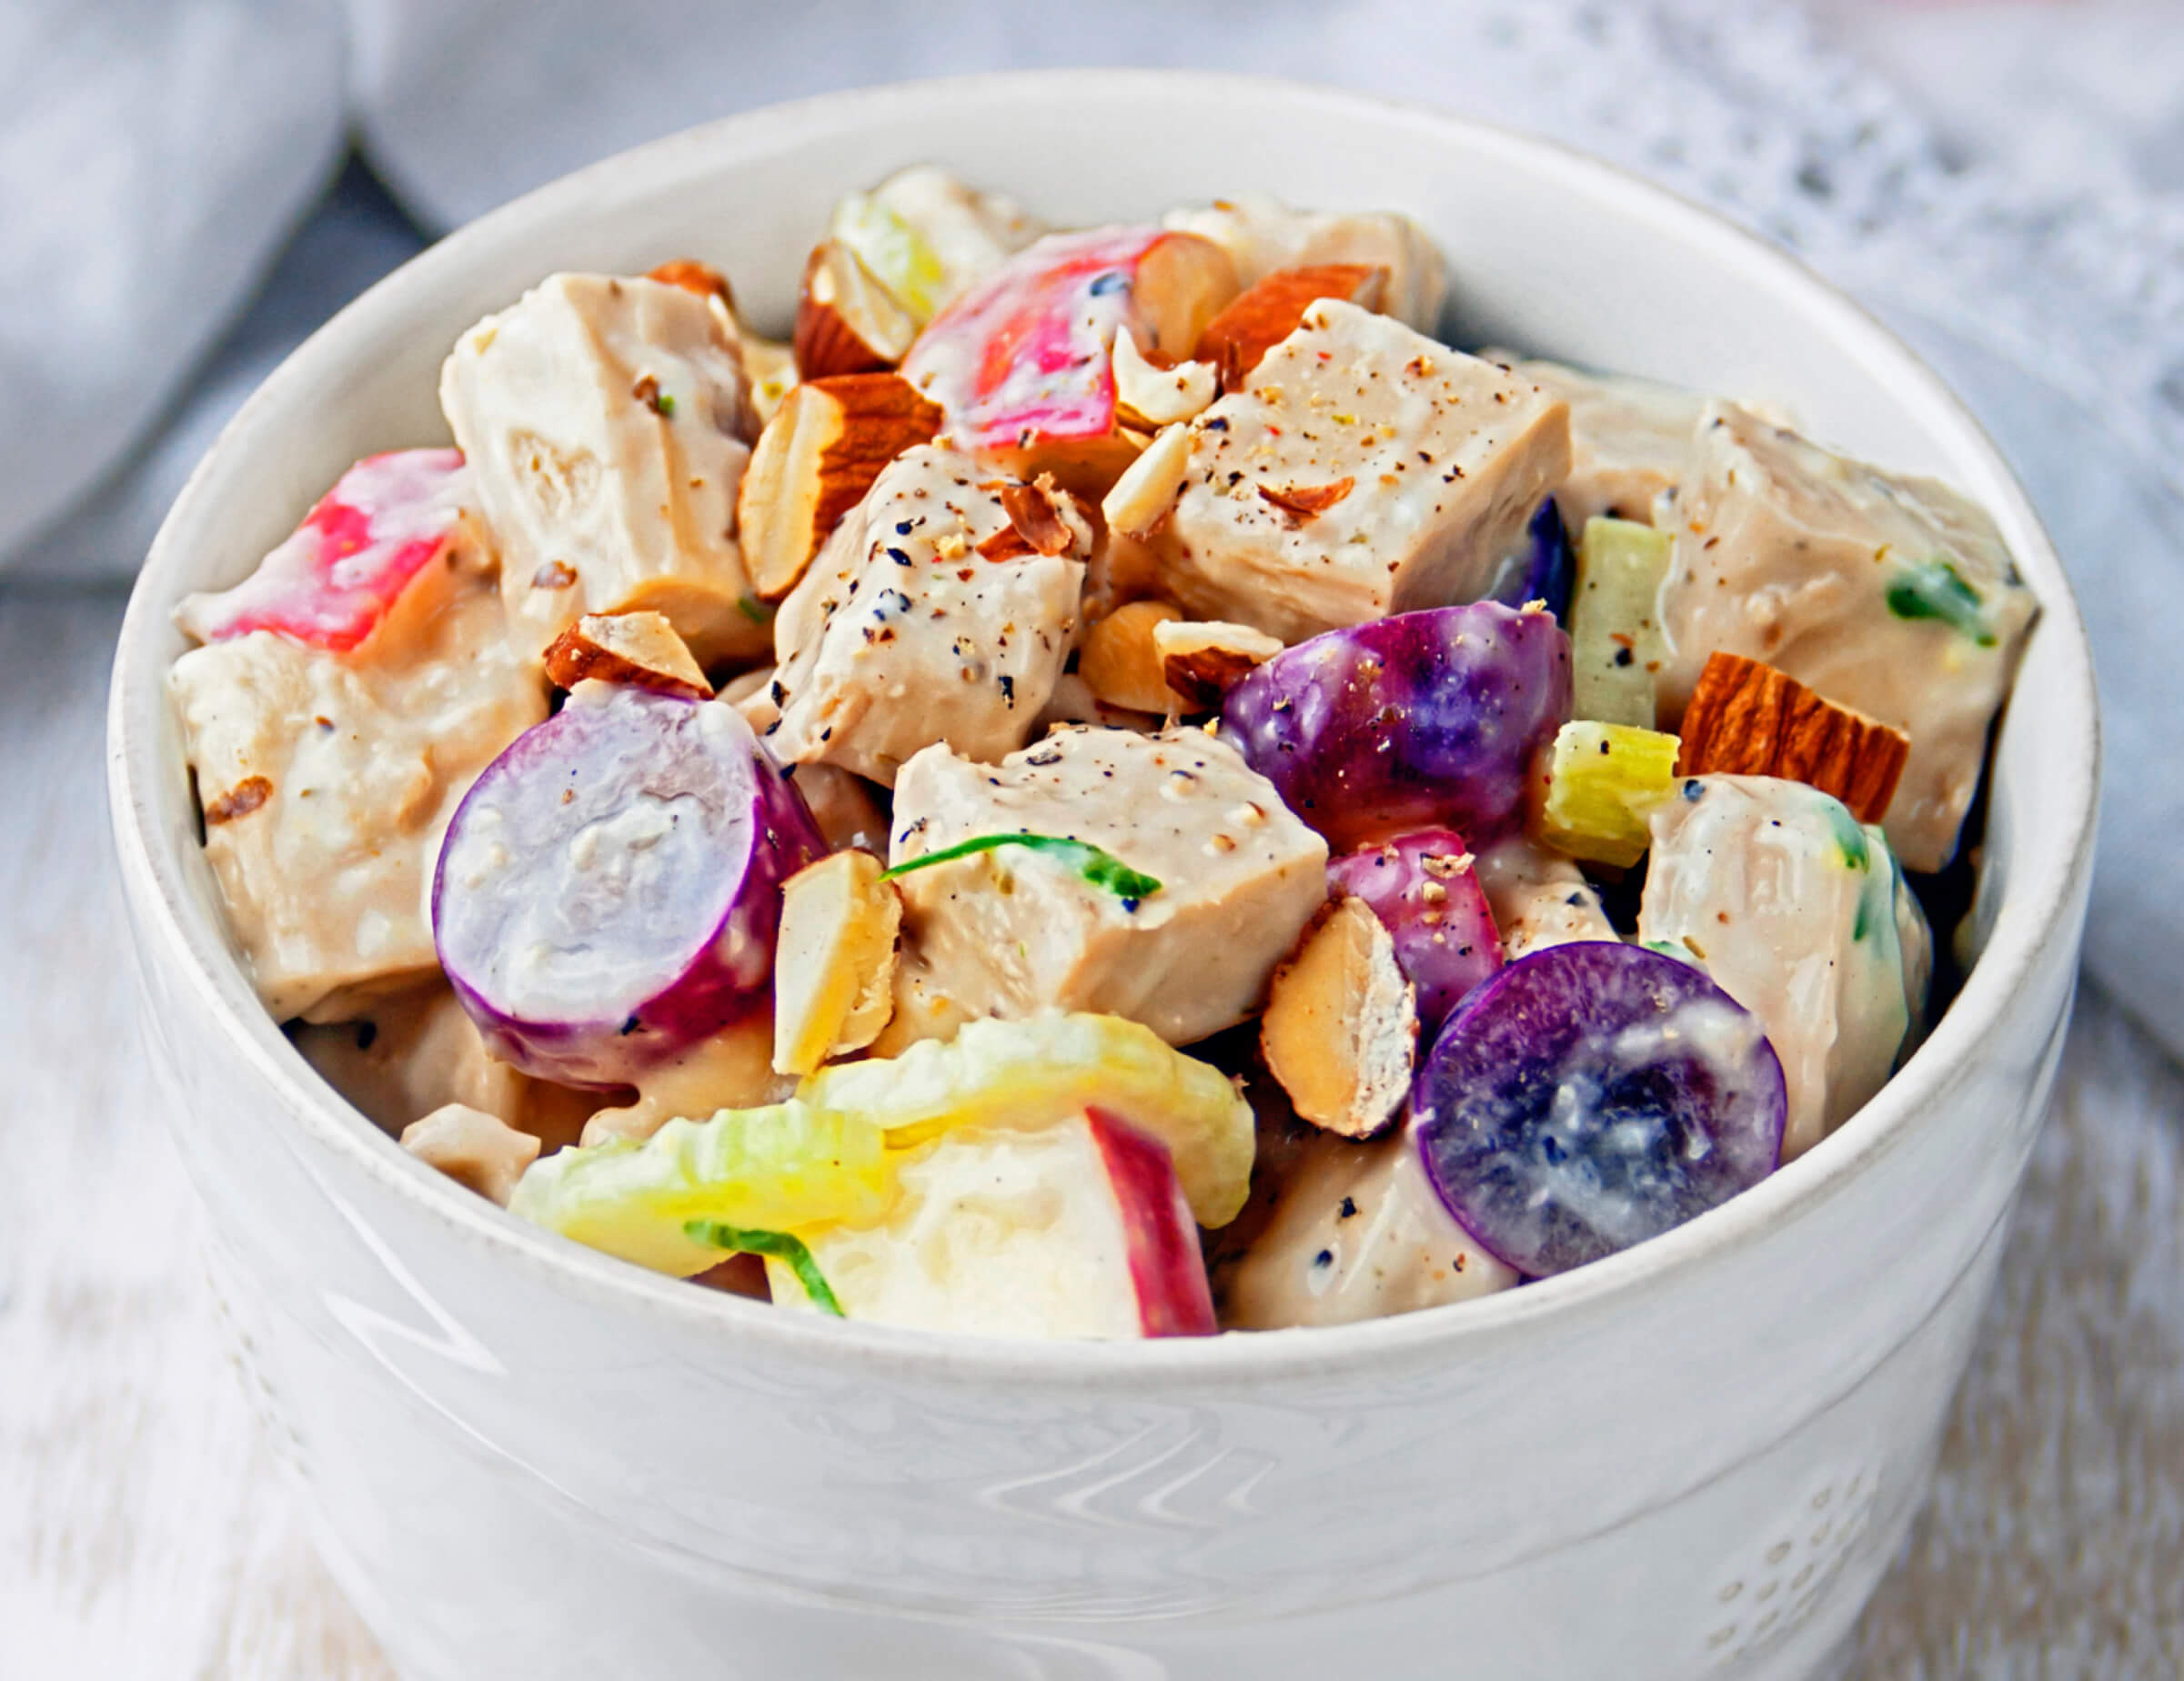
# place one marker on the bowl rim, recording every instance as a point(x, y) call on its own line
point(2035, 915)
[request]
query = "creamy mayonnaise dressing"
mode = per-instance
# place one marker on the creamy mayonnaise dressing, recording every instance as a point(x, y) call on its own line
point(1799, 914)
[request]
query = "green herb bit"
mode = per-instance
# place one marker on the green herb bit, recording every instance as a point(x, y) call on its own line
point(1101, 868)
point(666, 407)
point(781, 1245)
point(754, 609)
point(1936, 589)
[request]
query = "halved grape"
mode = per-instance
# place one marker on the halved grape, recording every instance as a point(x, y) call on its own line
point(1591, 1096)
point(1426, 719)
point(609, 891)
point(1422, 886)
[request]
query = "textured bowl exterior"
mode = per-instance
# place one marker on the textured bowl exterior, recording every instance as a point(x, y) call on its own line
point(1695, 1458)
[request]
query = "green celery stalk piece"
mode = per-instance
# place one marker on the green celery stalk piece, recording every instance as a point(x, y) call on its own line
point(781, 1245)
point(1101, 868)
point(1615, 646)
point(1604, 781)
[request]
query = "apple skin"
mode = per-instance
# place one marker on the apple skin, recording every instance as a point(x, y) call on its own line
point(1075, 1229)
point(340, 573)
point(1166, 1267)
point(1021, 363)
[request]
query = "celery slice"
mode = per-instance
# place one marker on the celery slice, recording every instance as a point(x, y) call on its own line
point(1616, 647)
point(898, 255)
point(1603, 781)
point(777, 1168)
point(1033, 1072)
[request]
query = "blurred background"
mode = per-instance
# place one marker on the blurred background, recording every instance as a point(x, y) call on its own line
point(187, 187)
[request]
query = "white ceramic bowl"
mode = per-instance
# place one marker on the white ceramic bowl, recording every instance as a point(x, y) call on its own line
point(1693, 1458)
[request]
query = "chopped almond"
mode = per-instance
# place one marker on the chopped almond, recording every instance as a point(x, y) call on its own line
point(641, 650)
point(473, 1148)
point(692, 275)
point(246, 797)
point(1304, 502)
point(1747, 719)
point(1200, 658)
point(1042, 521)
point(818, 456)
point(834, 963)
point(846, 321)
point(1121, 661)
point(1342, 1024)
point(1235, 340)
point(1148, 487)
point(1152, 396)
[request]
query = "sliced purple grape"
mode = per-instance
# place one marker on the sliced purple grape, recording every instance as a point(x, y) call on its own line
point(611, 887)
point(1591, 1096)
point(1544, 569)
point(1423, 889)
point(1425, 718)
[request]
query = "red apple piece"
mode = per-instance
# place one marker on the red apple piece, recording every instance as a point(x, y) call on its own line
point(1076, 1229)
point(1023, 360)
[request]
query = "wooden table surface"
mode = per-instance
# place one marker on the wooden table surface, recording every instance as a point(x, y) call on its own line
point(143, 1531)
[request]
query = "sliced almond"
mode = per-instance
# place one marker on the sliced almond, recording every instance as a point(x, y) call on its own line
point(1235, 340)
point(1151, 397)
point(638, 649)
point(834, 961)
point(1182, 284)
point(693, 276)
point(1043, 519)
point(1200, 658)
point(846, 321)
point(1148, 487)
point(1305, 502)
point(1342, 1024)
point(1120, 662)
point(816, 459)
point(1747, 719)
point(472, 1148)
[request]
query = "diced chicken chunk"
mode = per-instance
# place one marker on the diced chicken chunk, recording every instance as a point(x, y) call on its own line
point(472, 1148)
point(1357, 1231)
point(1262, 234)
point(606, 420)
point(1799, 915)
point(930, 617)
point(1892, 596)
point(1362, 470)
point(327, 780)
point(411, 1054)
point(1629, 437)
point(1539, 898)
point(1013, 930)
